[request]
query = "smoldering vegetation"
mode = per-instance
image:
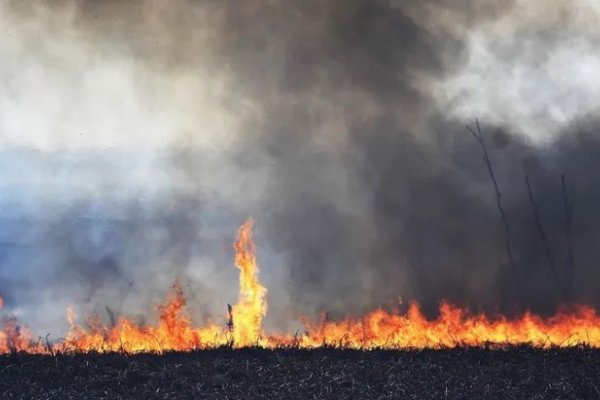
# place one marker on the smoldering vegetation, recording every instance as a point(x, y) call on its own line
point(330, 123)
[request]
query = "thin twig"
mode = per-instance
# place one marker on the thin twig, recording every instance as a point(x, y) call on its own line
point(230, 326)
point(49, 346)
point(540, 229)
point(478, 135)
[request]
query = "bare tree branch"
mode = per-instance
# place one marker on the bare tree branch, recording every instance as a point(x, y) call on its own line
point(478, 135)
point(542, 233)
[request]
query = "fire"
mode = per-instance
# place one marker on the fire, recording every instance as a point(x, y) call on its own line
point(14, 337)
point(248, 313)
point(175, 331)
point(455, 327)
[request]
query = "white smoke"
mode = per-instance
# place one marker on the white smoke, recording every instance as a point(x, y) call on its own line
point(65, 88)
point(534, 70)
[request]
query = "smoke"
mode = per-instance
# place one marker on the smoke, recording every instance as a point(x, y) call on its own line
point(533, 69)
point(136, 137)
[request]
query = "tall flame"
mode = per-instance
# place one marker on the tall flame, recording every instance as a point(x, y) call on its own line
point(251, 307)
point(174, 329)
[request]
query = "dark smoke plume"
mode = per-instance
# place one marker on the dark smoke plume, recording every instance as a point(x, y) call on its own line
point(339, 126)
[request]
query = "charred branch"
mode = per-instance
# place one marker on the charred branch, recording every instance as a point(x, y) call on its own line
point(478, 135)
point(230, 318)
point(542, 233)
point(230, 326)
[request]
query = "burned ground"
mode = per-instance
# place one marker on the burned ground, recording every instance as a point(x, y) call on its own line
point(515, 373)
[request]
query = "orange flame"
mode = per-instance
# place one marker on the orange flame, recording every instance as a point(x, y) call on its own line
point(14, 338)
point(174, 329)
point(251, 307)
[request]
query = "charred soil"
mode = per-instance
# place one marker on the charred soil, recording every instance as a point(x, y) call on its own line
point(467, 373)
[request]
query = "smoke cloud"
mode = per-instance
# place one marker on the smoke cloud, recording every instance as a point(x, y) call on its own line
point(137, 136)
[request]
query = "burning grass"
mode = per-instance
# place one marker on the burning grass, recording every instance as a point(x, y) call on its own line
point(384, 354)
point(174, 330)
point(517, 372)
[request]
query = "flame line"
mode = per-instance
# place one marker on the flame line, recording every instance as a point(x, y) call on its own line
point(174, 331)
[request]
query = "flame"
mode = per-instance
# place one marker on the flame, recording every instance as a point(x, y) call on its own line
point(251, 307)
point(456, 327)
point(14, 337)
point(175, 331)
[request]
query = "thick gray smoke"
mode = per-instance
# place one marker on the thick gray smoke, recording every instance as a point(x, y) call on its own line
point(137, 136)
